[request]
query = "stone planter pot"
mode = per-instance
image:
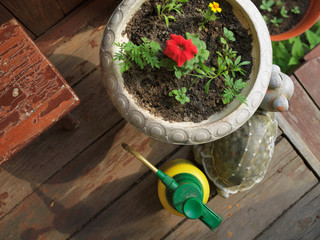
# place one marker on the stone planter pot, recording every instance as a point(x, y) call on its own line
point(217, 125)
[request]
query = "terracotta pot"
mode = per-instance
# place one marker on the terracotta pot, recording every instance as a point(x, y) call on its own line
point(217, 125)
point(310, 18)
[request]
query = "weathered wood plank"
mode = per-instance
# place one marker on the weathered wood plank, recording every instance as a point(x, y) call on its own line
point(85, 186)
point(248, 213)
point(5, 15)
point(103, 18)
point(38, 16)
point(297, 141)
point(82, 49)
point(309, 76)
point(74, 22)
point(69, 5)
point(56, 147)
point(138, 214)
point(313, 53)
point(301, 123)
point(33, 94)
point(302, 221)
point(82, 54)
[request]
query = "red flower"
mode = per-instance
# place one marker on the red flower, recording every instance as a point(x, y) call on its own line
point(180, 49)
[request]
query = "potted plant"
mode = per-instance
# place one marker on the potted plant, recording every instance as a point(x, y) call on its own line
point(192, 64)
point(287, 19)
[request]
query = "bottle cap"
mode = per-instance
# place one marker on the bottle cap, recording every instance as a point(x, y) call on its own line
point(192, 208)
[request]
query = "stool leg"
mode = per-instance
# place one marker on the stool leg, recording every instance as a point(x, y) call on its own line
point(70, 122)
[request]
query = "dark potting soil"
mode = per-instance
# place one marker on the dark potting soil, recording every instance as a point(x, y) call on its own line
point(288, 22)
point(152, 86)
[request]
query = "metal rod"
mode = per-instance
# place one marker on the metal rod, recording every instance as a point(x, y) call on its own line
point(139, 157)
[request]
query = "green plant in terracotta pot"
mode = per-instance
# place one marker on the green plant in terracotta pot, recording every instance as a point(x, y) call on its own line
point(214, 57)
point(287, 19)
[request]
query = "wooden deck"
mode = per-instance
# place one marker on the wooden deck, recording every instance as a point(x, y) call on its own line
point(82, 185)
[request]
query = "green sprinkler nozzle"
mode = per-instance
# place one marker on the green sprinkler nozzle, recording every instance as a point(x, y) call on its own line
point(184, 193)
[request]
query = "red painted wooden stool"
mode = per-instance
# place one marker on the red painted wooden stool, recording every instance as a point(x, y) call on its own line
point(33, 94)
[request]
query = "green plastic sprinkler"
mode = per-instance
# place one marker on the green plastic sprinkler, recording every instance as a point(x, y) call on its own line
point(183, 190)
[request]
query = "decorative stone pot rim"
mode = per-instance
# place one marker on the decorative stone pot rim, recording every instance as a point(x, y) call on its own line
point(187, 133)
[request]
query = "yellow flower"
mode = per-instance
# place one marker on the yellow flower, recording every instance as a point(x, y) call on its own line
point(215, 7)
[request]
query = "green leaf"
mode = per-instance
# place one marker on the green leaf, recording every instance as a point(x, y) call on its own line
point(239, 84)
point(220, 54)
point(175, 92)
point(295, 10)
point(293, 61)
point(178, 74)
point(206, 69)
point(159, 9)
point(281, 51)
point(166, 20)
point(207, 86)
point(155, 46)
point(124, 66)
point(198, 70)
point(178, 11)
point(196, 41)
point(316, 28)
point(242, 99)
point(188, 35)
point(188, 65)
point(228, 80)
point(123, 69)
point(227, 96)
point(306, 46)
point(237, 61)
point(265, 18)
point(284, 12)
point(170, 7)
point(204, 54)
point(229, 61)
point(276, 21)
point(212, 17)
point(145, 40)
point(222, 40)
point(221, 67)
point(313, 38)
point(167, 63)
point(180, 95)
point(244, 63)
point(297, 48)
point(266, 5)
point(228, 34)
